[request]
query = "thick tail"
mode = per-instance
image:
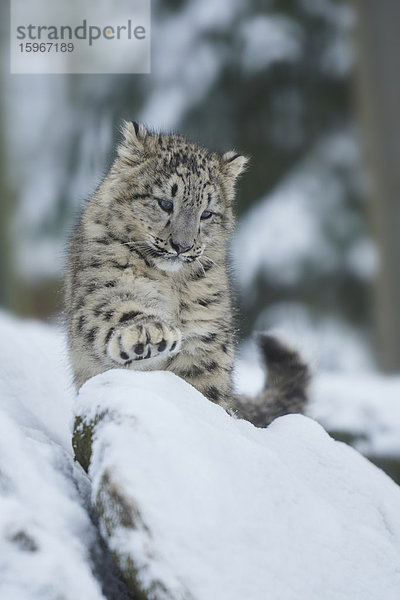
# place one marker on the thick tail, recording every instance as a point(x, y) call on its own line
point(286, 391)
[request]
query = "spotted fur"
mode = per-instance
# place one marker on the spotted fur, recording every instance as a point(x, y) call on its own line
point(147, 281)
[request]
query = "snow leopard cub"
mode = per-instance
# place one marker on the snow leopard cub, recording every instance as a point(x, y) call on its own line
point(147, 285)
point(147, 282)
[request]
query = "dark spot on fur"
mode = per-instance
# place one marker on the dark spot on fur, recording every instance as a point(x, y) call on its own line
point(91, 287)
point(213, 393)
point(80, 303)
point(210, 337)
point(173, 346)
point(148, 355)
point(204, 301)
point(117, 265)
point(195, 275)
point(128, 316)
point(81, 323)
point(124, 355)
point(139, 349)
point(114, 237)
point(192, 372)
point(109, 334)
point(210, 366)
point(174, 189)
point(110, 284)
point(224, 348)
point(90, 337)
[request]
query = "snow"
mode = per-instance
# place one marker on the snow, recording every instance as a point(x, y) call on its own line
point(223, 510)
point(364, 405)
point(30, 353)
point(268, 40)
point(356, 401)
point(45, 531)
point(230, 511)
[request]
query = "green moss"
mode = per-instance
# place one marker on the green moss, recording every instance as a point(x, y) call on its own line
point(117, 510)
point(82, 439)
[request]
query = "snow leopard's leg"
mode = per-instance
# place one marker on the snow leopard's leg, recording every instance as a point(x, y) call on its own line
point(107, 333)
point(206, 363)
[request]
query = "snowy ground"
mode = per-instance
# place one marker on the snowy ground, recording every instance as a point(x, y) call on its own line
point(45, 532)
point(233, 511)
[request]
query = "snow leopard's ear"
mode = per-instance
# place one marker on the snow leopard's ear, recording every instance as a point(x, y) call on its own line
point(233, 164)
point(134, 133)
point(132, 147)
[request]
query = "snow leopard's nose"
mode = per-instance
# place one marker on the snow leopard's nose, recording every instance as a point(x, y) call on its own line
point(179, 247)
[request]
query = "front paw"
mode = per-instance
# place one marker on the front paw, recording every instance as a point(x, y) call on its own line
point(143, 340)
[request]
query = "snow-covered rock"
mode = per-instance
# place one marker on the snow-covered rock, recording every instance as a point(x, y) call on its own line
point(195, 504)
point(206, 506)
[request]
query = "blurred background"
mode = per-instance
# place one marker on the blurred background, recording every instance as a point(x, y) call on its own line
point(310, 90)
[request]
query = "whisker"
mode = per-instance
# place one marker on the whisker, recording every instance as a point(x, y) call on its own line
point(134, 244)
point(201, 266)
point(212, 262)
point(209, 260)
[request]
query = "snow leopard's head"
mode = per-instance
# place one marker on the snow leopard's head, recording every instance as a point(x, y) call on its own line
point(170, 199)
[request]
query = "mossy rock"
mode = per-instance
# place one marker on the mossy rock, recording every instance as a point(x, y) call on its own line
point(118, 514)
point(82, 440)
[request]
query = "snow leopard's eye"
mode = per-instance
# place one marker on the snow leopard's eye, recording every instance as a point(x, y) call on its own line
point(206, 214)
point(166, 205)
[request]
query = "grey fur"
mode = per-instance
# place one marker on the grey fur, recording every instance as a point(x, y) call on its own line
point(147, 286)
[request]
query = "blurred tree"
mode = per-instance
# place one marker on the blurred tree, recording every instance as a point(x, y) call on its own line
point(379, 100)
point(269, 77)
